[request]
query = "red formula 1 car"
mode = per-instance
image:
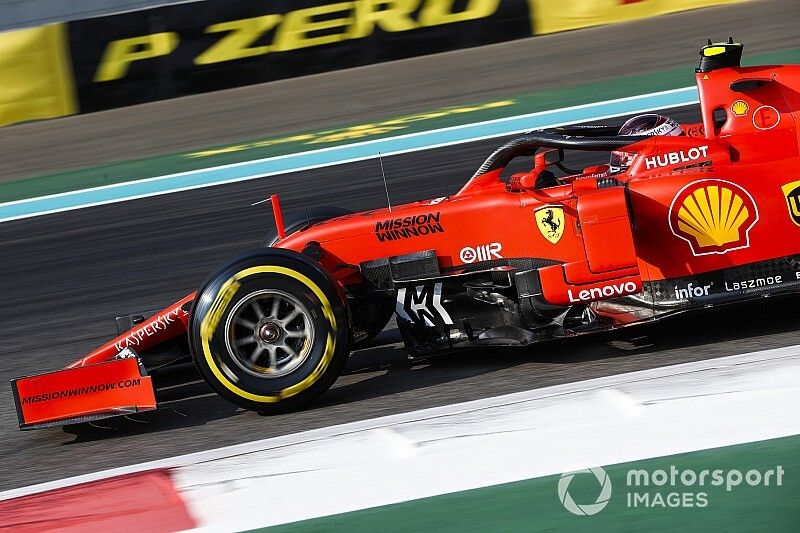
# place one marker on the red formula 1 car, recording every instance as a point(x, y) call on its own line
point(695, 220)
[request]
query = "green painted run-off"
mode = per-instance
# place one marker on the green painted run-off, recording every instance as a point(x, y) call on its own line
point(534, 505)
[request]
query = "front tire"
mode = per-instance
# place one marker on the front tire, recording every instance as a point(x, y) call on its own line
point(269, 331)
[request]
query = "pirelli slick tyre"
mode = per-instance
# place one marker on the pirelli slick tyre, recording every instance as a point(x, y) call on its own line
point(268, 331)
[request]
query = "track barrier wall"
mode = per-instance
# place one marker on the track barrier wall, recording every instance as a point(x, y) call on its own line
point(551, 16)
point(176, 50)
point(35, 73)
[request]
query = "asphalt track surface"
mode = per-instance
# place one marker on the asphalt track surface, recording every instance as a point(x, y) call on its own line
point(393, 89)
point(64, 277)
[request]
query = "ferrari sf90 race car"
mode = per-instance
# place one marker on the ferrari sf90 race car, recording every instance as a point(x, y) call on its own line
point(691, 221)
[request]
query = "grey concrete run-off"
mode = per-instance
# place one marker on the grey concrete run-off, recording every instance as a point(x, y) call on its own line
point(29, 13)
point(391, 89)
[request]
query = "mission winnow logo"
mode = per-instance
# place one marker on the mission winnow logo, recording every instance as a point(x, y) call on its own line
point(410, 226)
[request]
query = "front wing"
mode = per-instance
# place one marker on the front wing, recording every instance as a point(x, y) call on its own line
point(83, 394)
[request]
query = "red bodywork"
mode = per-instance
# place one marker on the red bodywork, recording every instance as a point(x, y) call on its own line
point(718, 198)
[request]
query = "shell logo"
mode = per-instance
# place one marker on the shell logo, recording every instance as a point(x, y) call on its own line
point(713, 216)
point(740, 108)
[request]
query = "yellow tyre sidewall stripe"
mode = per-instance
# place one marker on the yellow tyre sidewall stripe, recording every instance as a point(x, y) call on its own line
point(221, 301)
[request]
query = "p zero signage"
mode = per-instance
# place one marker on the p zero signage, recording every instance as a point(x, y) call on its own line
point(195, 47)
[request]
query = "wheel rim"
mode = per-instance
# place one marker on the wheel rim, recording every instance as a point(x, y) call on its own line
point(269, 334)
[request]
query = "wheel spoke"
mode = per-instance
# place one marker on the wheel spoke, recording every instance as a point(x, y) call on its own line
point(289, 350)
point(273, 357)
point(244, 341)
point(294, 313)
point(257, 308)
point(246, 323)
point(276, 302)
point(256, 353)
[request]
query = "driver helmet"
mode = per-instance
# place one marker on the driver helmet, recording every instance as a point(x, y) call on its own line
point(649, 124)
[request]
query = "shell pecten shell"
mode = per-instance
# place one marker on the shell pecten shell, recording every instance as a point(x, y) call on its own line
point(713, 215)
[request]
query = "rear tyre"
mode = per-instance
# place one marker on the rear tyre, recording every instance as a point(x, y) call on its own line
point(269, 331)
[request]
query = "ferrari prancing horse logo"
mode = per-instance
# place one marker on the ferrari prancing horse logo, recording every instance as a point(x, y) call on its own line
point(792, 193)
point(550, 221)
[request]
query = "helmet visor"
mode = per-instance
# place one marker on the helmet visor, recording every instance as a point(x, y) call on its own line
point(620, 160)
